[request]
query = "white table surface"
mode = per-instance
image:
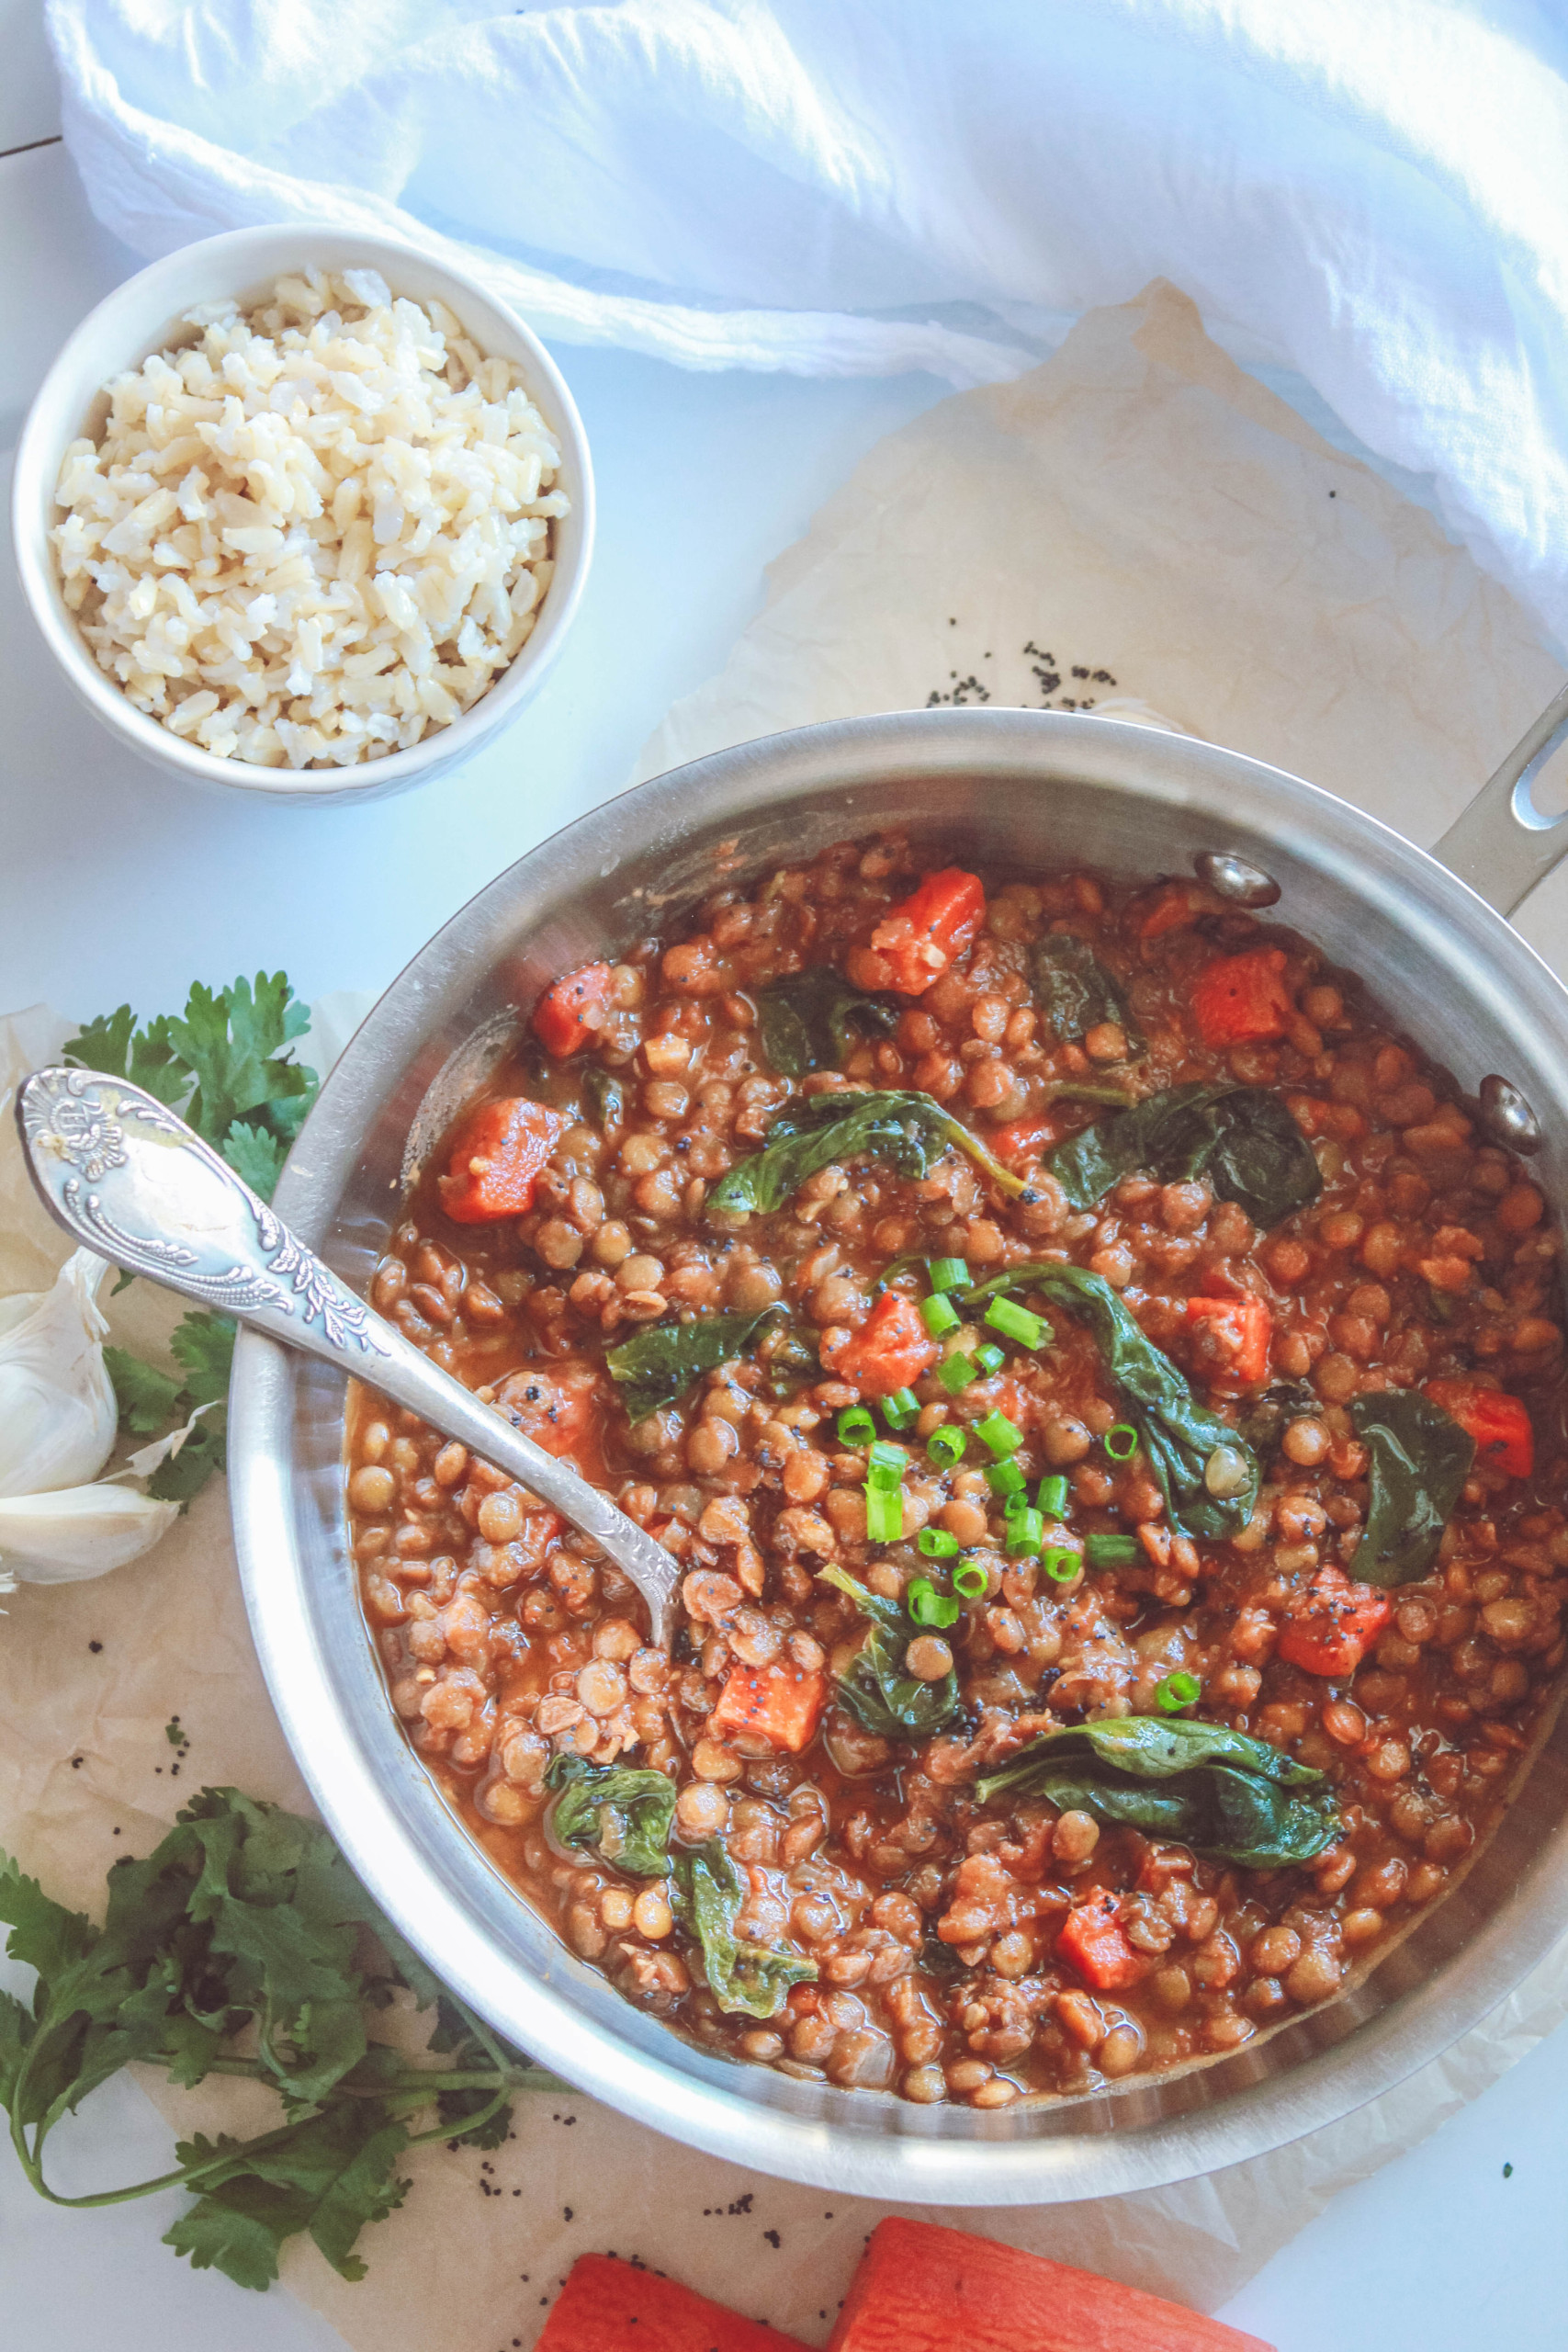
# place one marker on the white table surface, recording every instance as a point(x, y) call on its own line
point(115, 885)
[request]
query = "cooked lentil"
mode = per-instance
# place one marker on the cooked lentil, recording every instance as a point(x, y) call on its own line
point(933, 1920)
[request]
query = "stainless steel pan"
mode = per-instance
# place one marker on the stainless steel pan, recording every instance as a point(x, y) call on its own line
point(1019, 789)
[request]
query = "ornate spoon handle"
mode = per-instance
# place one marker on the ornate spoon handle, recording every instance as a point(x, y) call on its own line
point(127, 1177)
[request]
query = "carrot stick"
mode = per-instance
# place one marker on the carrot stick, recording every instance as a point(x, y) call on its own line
point(612, 2306)
point(923, 2289)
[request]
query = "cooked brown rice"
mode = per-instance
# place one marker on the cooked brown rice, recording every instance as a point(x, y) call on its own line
point(317, 532)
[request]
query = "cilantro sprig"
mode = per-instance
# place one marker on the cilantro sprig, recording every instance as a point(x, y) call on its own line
point(224, 1065)
point(227, 1066)
point(247, 1922)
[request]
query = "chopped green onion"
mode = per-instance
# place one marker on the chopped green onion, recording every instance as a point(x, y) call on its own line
point(1026, 1531)
point(948, 1273)
point(1052, 1496)
point(1015, 1500)
point(1061, 1565)
point(1015, 1322)
point(1178, 1691)
point(929, 1606)
point(989, 1357)
point(1000, 1436)
point(1006, 1479)
point(971, 1580)
point(939, 1315)
point(947, 1445)
point(899, 1410)
point(1122, 1442)
point(955, 1372)
point(855, 1426)
point(1106, 1550)
point(885, 1466)
point(937, 1543)
point(884, 1514)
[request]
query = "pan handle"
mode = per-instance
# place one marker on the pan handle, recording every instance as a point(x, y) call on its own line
point(1502, 845)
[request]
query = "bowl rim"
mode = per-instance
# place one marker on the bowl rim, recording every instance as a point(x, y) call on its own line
point(395, 1827)
point(140, 312)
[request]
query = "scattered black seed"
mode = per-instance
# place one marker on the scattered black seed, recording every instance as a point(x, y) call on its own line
point(95, 1647)
point(75, 1763)
point(1334, 494)
point(566, 2211)
point(773, 2239)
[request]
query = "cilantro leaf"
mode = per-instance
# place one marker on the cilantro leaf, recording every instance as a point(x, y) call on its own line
point(232, 1041)
point(330, 2175)
point(181, 1476)
point(256, 1156)
point(490, 2132)
point(205, 1345)
point(115, 1045)
point(147, 1398)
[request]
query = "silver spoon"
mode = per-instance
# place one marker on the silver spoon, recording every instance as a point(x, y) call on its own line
point(127, 1177)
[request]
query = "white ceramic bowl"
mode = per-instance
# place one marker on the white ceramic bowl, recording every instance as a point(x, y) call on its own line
point(143, 316)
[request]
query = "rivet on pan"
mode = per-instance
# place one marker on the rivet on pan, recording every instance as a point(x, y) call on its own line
point(1508, 1118)
point(1233, 878)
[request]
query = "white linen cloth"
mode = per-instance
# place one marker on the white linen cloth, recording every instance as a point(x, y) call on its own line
point(1373, 193)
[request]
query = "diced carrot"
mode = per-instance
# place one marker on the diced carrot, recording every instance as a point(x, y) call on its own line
point(922, 2288)
point(1334, 1626)
point(1021, 1141)
point(1498, 1423)
point(1091, 1941)
point(567, 1014)
point(1242, 997)
point(891, 1349)
point(1231, 1340)
point(496, 1161)
point(610, 2306)
point(782, 1704)
point(919, 939)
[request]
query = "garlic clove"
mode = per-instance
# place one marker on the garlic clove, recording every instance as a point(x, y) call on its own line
point(58, 1413)
point(79, 1531)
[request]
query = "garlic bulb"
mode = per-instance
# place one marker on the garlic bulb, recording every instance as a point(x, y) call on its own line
point(58, 1413)
point(79, 1531)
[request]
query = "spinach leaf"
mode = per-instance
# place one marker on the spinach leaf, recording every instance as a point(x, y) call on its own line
point(1421, 1458)
point(1242, 1138)
point(623, 1811)
point(1218, 1791)
point(1158, 1748)
point(910, 1130)
point(1075, 992)
point(811, 1020)
point(876, 1690)
point(654, 1368)
point(745, 1979)
point(1177, 1433)
point(605, 1098)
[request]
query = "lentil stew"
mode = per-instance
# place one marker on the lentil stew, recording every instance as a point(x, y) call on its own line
point(1023, 1308)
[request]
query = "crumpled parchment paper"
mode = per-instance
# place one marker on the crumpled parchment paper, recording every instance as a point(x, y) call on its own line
point(1136, 523)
